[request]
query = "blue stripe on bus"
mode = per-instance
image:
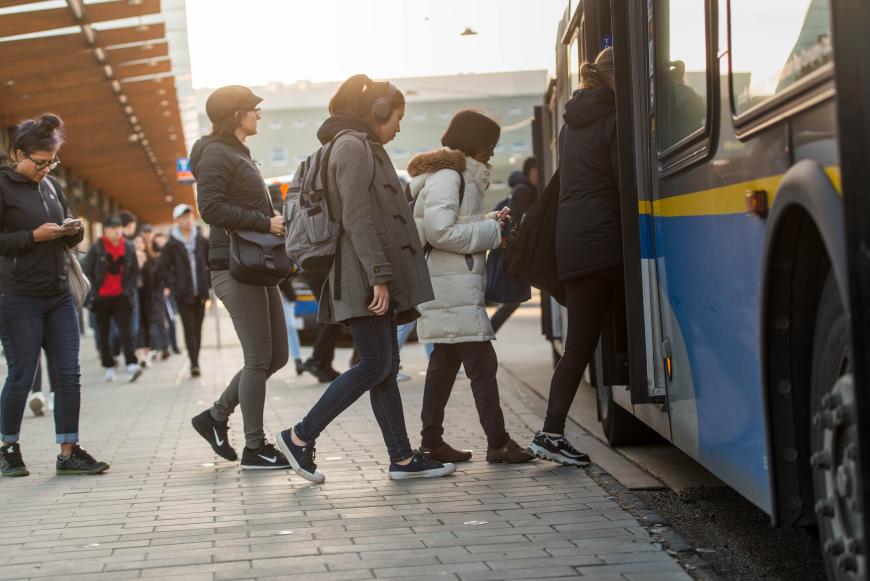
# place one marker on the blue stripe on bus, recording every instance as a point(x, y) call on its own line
point(647, 246)
point(306, 308)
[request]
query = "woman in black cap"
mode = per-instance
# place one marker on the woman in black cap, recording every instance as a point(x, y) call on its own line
point(448, 186)
point(232, 195)
point(36, 308)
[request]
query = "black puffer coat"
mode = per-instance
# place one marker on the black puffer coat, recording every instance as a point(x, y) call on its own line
point(588, 228)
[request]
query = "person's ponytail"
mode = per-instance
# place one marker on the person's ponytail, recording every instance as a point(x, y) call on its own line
point(346, 100)
point(594, 75)
point(356, 96)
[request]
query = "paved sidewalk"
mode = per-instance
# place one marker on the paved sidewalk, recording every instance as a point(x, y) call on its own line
point(168, 508)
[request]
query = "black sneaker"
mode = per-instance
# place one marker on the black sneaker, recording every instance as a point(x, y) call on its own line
point(79, 462)
point(301, 458)
point(11, 462)
point(557, 450)
point(215, 434)
point(265, 458)
point(195, 372)
point(420, 467)
point(322, 374)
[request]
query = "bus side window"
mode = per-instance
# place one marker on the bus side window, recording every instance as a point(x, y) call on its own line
point(773, 49)
point(681, 68)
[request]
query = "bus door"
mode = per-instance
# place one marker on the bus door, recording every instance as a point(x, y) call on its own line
point(647, 349)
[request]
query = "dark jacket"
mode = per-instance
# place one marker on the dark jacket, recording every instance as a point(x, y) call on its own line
point(27, 267)
point(231, 193)
point(500, 286)
point(173, 270)
point(588, 227)
point(94, 268)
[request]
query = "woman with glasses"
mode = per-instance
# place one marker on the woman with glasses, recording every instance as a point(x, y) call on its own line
point(232, 196)
point(36, 308)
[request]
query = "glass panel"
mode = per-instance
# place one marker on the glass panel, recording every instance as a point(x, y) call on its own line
point(772, 47)
point(683, 82)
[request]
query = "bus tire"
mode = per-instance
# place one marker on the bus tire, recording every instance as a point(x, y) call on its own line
point(619, 426)
point(834, 441)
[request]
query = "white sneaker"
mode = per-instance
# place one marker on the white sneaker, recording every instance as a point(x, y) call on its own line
point(134, 371)
point(400, 377)
point(110, 375)
point(36, 402)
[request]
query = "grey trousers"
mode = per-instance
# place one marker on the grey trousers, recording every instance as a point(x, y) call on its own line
point(258, 318)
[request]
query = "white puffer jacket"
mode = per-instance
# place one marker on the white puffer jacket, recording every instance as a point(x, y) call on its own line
point(460, 237)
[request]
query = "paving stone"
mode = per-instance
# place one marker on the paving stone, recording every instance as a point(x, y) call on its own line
point(169, 509)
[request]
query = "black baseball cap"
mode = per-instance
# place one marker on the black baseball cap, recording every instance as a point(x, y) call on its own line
point(227, 100)
point(112, 222)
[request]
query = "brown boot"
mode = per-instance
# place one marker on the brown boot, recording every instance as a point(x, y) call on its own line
point(510, 453)
point(446, 454)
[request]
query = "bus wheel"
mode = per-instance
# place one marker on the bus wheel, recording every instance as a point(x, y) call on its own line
point(835, 441)
point(620, 427)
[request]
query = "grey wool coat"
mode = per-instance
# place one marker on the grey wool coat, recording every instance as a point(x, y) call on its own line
point(379, 243)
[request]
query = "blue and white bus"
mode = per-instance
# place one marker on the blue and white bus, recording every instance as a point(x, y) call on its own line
point(735, 343)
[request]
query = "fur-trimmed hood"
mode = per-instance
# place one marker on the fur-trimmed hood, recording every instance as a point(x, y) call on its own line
point(433, 161)
point(423, 165)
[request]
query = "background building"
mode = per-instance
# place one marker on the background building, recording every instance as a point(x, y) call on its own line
point(292, 114)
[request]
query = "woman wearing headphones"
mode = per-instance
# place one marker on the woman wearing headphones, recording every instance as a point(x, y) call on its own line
point(378, 278)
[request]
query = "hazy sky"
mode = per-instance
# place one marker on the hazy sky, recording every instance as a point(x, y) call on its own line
point(257, 41)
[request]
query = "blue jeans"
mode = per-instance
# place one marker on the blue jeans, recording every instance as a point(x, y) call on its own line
point(405, 332)
point(375, 340)
point(292, 332)
point(27, 325)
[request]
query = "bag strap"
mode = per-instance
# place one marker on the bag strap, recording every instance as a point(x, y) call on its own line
point(324, 182)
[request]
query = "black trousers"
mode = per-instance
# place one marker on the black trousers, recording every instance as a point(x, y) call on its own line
point(120, 310)
point(590, 301)
point(192, 315)
point(327, 335)
point(481, 365)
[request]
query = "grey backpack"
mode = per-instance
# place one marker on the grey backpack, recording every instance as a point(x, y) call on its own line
point(313, 237)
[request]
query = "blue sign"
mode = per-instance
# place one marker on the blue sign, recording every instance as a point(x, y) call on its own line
point(606, 41)
point(182, 171)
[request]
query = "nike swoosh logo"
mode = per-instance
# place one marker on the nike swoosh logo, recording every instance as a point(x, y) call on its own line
point(217, 438)
point(273, 459)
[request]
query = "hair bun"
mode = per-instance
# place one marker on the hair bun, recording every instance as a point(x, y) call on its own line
point(49, 122)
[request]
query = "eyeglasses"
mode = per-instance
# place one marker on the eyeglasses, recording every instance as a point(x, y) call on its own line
point(41, 164)
point(256, 110)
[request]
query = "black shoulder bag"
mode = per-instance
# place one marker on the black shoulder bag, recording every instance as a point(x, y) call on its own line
point(258, 258)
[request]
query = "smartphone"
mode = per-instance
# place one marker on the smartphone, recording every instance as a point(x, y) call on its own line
point(72, 223)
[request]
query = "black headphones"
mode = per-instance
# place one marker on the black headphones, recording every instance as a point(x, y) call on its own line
point(382, 108)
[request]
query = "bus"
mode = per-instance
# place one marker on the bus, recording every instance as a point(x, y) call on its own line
point(735, 340)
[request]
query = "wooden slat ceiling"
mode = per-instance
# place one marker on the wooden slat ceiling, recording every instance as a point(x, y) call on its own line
point(114, 90)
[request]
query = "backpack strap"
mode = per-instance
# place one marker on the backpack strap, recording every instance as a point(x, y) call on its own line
point(427, 248)
point(324, 182)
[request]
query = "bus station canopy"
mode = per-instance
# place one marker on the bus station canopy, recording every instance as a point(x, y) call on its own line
point(112, 86)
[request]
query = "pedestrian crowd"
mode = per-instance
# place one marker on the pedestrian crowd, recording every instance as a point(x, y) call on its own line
point(383, 259)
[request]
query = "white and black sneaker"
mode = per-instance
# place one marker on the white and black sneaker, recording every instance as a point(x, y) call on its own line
point(215, 433)
point(267, 457)
point(301, 457)
point(557, 450)
point(420, 467)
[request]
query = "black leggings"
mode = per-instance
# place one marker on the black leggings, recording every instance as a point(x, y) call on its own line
point(590, 300)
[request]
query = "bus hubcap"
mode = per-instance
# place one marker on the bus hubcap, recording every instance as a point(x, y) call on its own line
point(838, 505)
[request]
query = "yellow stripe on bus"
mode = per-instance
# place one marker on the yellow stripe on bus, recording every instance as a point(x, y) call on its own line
point(721, 201)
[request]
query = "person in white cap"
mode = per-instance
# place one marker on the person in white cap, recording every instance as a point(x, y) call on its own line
point(183, 270)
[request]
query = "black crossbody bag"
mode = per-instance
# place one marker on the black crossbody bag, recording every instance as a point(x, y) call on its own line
point(258, 258)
